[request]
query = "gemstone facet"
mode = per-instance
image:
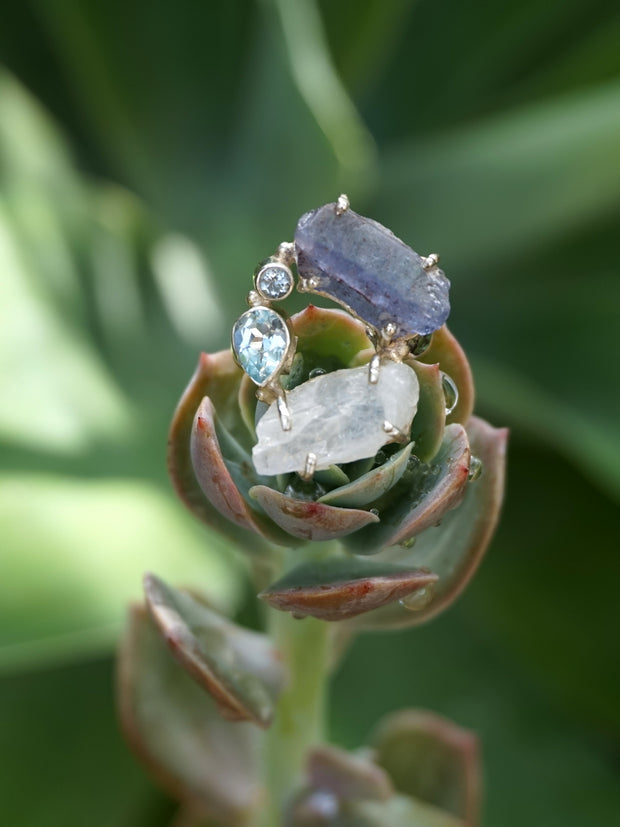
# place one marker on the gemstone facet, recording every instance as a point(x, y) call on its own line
point(260, 341)
point(339, 417)
point(274, 282)
point(362, 265)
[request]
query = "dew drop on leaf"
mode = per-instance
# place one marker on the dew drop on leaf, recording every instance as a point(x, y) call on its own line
point(450, 392)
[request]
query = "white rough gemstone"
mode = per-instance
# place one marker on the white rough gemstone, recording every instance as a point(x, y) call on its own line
point(339, 417)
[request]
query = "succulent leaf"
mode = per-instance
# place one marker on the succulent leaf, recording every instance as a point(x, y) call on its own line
point(238, 667)
point(347, 775)
point(214, 477)
point(371, 485)
point(455, 548)
point(431, 759)
point(429, 422)
point(308, 520)
point(176, 729)
point(430, 492)
point(378, 505)
point(343, 587)
point(400, 809)
point(330, 334)
point(218, 377)
point(446, 352)
point(321, 808)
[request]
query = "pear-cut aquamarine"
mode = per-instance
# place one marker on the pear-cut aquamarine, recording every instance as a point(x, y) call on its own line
point(260, 340)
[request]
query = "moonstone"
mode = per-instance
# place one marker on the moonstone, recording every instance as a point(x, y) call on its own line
point(339, 417)
point(362, 265)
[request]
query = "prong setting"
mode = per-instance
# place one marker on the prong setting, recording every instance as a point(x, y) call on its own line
point(342, 204)
point(309, 467)
point(374, 368)
point(396, 434)
point(430, 261)
point(284, 413)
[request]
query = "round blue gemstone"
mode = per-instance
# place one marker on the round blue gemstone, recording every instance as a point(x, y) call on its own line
point(260, 340)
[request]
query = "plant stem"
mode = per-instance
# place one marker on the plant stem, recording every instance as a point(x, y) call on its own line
point(300, 716)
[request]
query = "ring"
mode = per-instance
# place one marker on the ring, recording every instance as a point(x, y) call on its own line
point(400, 297)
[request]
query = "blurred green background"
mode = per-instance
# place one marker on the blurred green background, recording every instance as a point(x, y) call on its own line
point(150, 154)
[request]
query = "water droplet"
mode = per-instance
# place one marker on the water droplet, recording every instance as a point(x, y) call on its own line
point(408, 543)
point(418, 600)
point(300, 489)
point(374, 511)
point(475, 468)
point(450, 392)
point(316, 372)
point(420, 344)
point(320, 805)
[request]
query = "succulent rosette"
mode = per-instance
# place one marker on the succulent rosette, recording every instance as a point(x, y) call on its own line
point(410, 523)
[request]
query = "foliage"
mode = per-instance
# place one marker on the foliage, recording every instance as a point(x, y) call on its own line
point(488, 134)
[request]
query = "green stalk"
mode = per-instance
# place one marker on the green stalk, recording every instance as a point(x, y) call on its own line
point(299, 721)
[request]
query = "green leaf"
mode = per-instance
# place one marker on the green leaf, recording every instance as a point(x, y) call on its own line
point(431, 759)
point(420, 501)
point(429, 422)
point(347, 775)
point(73, 555)
point(309, 520)
point(399, 810)
point(454, 549)
point(338, 588)
point(238, 667)
point(372, 485)
point(224, 481)
point(525, 163)
point(176, 730)
point(73, 706)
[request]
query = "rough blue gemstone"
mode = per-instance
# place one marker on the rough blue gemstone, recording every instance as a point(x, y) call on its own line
point(260, 340)
point(363, 266)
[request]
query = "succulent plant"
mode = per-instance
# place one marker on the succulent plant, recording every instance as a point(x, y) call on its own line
point(404, 549)
point(231, 720)
point(196, 695)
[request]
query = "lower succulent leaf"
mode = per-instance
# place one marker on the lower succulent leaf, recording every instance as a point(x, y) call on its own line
point(431, 759)
point(340, 588)
point(177, 731)
point(238, 667)
point(183, 670)
point(422, 771)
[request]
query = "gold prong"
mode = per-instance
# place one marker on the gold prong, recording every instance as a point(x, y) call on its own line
point(284, 412)
point(308, 285)
point(286, 253)
point(309, 467)
point(387, 333)
point(342, 204)
point(430, 261)
point(396, 434)
point(374, 366)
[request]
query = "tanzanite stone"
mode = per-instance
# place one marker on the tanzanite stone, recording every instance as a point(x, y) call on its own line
point(362, 265)
point(260, 340)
